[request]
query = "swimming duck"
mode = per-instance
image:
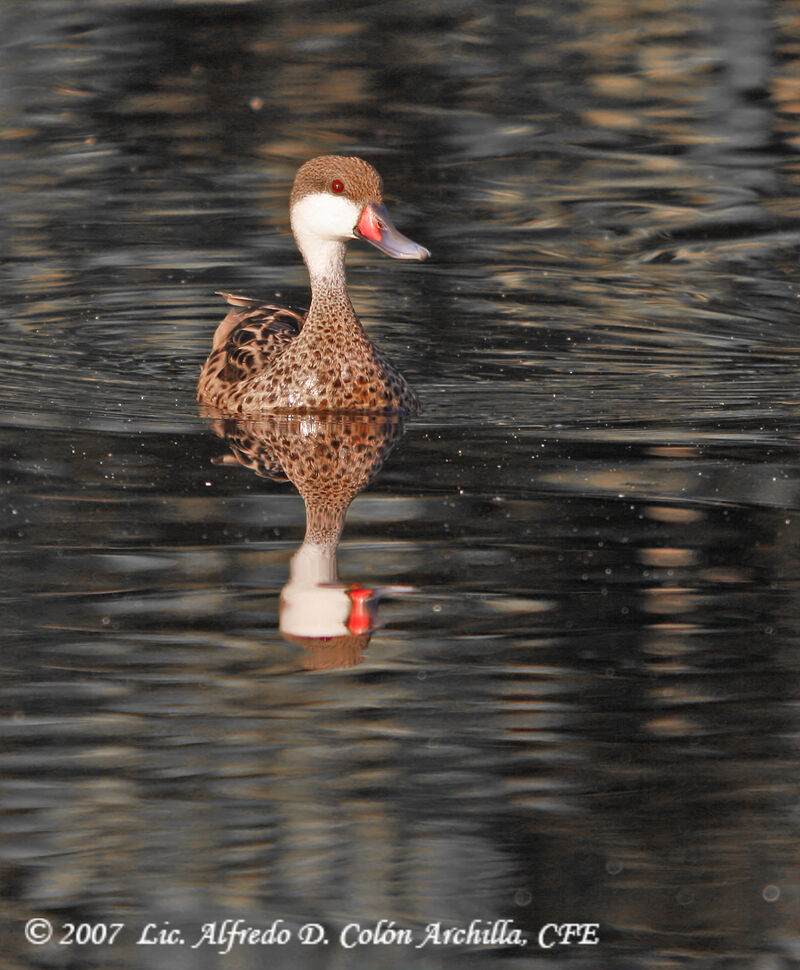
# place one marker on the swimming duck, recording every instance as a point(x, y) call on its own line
point(270, 358)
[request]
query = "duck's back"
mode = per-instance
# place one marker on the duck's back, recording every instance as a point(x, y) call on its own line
point(247, 342)
point(260, 361)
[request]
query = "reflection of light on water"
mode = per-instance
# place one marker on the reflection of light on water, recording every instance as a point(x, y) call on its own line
point(667, 558)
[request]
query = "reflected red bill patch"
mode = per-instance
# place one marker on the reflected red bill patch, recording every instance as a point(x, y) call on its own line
point(359, 621)
point(368, 225)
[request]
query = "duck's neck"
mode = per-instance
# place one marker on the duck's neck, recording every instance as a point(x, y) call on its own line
point(330, 303)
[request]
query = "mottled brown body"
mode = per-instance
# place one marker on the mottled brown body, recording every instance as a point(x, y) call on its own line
point(269, 359)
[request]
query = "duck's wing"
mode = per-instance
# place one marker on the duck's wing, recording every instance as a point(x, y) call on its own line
point(246, 342)
point(248, 449)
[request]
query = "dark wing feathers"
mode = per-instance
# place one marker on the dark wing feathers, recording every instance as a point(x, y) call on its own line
point(246, 342)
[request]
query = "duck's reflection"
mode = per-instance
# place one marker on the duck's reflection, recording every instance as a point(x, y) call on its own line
point(329, 458)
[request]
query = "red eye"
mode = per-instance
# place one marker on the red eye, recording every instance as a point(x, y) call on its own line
point(337, 186)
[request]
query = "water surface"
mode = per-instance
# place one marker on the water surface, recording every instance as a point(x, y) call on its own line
point(581, 701)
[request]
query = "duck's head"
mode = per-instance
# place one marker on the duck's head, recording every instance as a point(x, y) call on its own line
point(336, 198)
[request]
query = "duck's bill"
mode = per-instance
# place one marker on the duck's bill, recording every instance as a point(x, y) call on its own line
point(376, 227)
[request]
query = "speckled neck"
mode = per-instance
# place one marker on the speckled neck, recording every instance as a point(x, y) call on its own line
point(331, 314)
point(324, 259)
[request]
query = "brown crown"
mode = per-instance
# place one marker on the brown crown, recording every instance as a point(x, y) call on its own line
point(361, 182)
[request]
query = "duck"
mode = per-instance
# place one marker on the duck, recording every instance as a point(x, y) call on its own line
point(267, 358)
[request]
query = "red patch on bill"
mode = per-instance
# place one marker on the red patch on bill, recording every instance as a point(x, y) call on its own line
point(368, 225)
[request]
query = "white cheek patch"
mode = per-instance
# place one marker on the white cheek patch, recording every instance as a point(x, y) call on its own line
point(325, 216)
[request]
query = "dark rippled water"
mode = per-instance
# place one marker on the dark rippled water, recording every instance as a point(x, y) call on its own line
point(581, 702)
